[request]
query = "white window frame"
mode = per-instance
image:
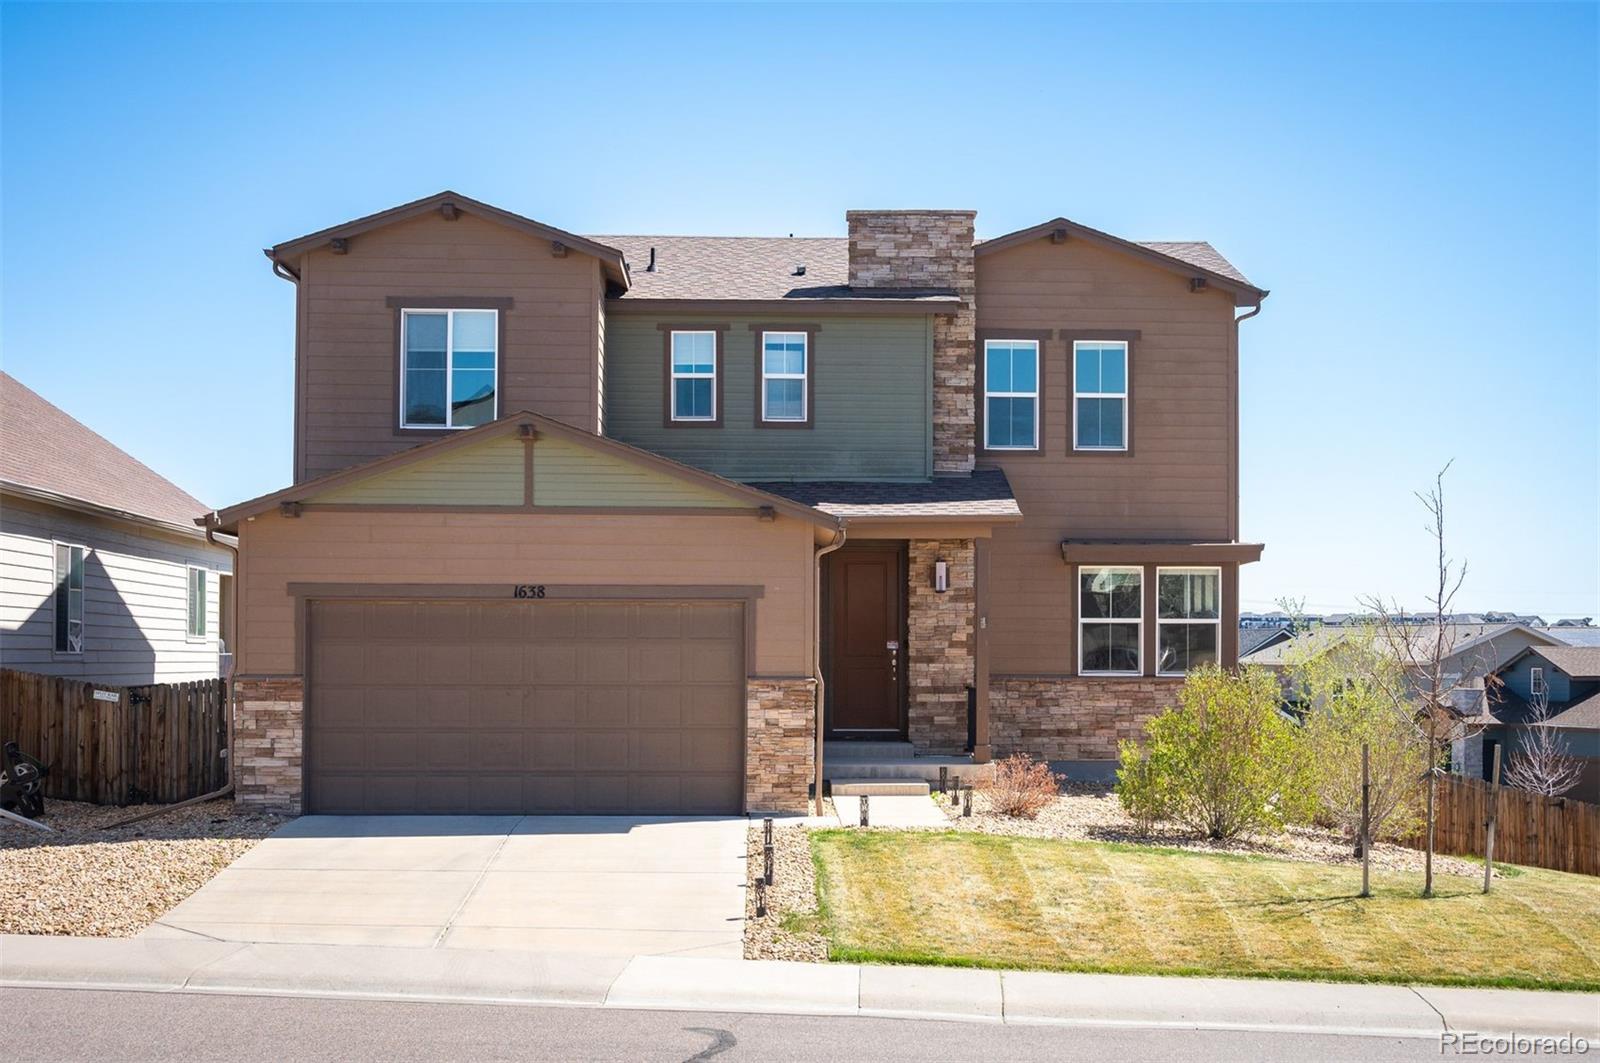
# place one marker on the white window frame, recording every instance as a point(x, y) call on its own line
point(449, 313)
point(1187, 570)
point(988, 393)
point(803, 377)
point(1536, 684)
point(1077, 590)
point(673, 376)
point(205, 603)
point(1126, 394)
point(83, 598)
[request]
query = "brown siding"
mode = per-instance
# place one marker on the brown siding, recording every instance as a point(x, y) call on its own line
point(1177, 482)
point(488, 548)
point(345, 379)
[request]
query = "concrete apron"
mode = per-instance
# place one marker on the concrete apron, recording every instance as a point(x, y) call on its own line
point(194, 965)
point(596, 885)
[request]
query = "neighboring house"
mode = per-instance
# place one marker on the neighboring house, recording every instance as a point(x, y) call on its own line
point(1574, 634)
point(1253, 640)
point(1568, 678)
point(587, 523)
point(104, 574)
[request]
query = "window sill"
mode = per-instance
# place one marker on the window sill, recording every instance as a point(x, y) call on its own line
point(1111, 675)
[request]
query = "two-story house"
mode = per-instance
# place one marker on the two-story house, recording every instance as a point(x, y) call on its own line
point(657, 523)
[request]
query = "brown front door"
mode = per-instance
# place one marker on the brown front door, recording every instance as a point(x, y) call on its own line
point(866, 640)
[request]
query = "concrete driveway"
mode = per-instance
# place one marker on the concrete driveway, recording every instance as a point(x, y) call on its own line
point(610, 885)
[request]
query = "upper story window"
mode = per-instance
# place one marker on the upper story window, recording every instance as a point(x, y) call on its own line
point(1110, 620)
point(198, 601)
point(1100, 395)
point(1188, 618)
point(69, 598)
point(1536, 680)
point(1011, 394)
point(694, 376)
point(451, 360)
point(785, 365)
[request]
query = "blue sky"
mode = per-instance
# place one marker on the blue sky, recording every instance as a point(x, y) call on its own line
point(1417, 184)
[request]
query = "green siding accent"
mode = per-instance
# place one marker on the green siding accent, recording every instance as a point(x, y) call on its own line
point(872, 394)
point(565, 474)
point(486, 474)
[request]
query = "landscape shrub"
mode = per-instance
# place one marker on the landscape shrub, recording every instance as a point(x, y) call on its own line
point(1349, 696)
point(1022, 786)
point(1222, 762)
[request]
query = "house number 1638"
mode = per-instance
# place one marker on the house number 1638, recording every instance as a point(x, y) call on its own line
point(527, 590)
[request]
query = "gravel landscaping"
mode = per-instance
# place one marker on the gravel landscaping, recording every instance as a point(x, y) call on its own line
point(87, 881)
point(789, 929)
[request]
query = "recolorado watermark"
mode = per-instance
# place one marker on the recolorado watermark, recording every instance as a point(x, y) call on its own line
point(1469, 1043)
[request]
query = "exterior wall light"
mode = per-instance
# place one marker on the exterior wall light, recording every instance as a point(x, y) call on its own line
point(941, 576)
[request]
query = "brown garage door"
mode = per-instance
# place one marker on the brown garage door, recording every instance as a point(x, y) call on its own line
point(494, 707)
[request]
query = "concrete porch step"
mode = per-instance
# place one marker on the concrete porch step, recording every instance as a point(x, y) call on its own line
point(916, 769)
point(843, 751)
point(879, 788)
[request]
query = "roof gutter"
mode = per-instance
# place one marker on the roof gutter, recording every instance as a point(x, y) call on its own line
point(816, 653)
point(281, 268)
point(1253, 311)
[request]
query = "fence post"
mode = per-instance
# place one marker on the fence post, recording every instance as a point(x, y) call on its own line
point(1488, 827)
point(1366, 821)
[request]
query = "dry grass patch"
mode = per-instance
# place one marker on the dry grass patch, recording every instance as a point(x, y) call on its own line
point(977, 900)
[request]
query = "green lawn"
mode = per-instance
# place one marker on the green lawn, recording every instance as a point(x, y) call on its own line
point(982, 900)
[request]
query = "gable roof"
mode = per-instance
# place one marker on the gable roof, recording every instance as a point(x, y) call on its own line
point(228, 518)
point(1252, 639)
point(1579, 662)
point(983, 495)
point(616, 266)
point(47, 454)
point(1460, 639)
point(1190, 258)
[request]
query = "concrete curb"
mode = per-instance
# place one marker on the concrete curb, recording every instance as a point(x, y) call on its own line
point(693, 984)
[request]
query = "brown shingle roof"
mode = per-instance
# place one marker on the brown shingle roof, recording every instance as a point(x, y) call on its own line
point(985, 494)
point(1580, 662)
point(763, 267)
point(42, 449)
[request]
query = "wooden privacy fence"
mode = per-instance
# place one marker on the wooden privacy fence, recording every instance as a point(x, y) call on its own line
point(1553, 832)
point(114, 745)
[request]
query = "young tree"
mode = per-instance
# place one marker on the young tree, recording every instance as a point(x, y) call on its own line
point(1343, 684)
point(1541, 763)
point(1429, 674)
point(1224, 761)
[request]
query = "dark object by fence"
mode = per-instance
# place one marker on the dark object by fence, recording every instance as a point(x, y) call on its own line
point(1554, 832)
point(113, 745)
point(21, 782)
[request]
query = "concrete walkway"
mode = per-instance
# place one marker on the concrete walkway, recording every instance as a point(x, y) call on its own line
point(891, 810)
point(601, 885)
point(686, 984)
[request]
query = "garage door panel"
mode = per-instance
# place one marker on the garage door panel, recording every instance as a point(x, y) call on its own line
point(711, 662)
point(494, 662)
point(555, 752)
point(603, 707)
point(519, 707)
point(605, 750)
point(552, 663)
point(660, 706)
point(549, 708)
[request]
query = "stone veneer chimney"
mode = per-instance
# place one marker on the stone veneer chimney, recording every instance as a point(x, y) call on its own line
point(929, 249)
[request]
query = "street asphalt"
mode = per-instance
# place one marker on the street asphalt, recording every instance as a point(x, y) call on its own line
point(58, 1025)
